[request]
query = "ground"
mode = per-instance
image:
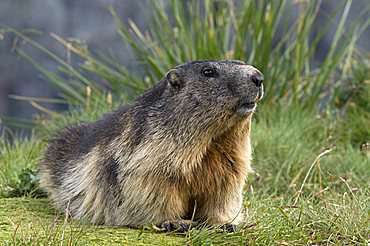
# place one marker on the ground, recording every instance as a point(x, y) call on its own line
point(27, 220)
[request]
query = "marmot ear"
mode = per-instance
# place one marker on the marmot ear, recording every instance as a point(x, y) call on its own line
point(174, 78)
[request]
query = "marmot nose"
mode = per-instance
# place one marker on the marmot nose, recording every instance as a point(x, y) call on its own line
point(257, 79)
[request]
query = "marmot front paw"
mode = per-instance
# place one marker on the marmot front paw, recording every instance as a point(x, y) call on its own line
point(179, 226)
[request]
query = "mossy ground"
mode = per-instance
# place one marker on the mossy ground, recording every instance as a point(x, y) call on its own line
point(29, 221)
point(330, 218)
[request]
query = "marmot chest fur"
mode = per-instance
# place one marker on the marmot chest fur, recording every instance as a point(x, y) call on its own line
point(180, 152)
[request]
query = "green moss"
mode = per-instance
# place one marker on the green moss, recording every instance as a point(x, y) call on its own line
point(329, 218)
point(33, 221)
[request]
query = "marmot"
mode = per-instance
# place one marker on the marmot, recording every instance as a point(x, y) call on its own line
point(180, 152)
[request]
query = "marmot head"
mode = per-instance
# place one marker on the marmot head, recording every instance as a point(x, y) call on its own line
point(227, 88)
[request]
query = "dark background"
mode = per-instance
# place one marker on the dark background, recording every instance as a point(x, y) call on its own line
point(92, 22)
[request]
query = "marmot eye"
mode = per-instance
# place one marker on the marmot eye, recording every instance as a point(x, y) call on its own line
point(209, 72)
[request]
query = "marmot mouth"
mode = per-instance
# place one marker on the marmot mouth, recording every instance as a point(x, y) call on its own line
point(245, 108)
point(248, 105)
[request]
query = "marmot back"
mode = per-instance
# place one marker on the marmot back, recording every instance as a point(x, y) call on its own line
point(181, 149)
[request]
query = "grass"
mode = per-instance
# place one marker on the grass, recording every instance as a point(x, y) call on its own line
point(287, 141)
point(18, 161)
point(310, 134)
point(334, 219)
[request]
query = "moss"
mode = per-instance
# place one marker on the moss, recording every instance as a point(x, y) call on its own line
point(34, 221)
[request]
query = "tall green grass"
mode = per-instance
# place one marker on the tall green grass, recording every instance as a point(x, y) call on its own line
point(257, 32)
